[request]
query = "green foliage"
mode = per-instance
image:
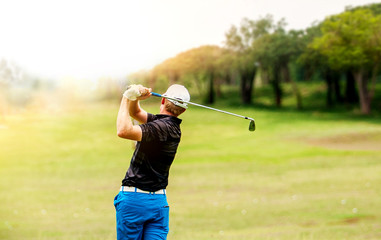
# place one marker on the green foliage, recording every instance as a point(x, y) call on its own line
point(263, 49)
point(241, 39)
point(350, 40)
point(278, 48)
point(310, 58)
point(374, 7)
point(198, 67)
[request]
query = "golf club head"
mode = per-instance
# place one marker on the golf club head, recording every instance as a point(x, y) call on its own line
point(252, 125)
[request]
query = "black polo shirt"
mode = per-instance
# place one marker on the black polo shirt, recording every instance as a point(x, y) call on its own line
point(154, 154)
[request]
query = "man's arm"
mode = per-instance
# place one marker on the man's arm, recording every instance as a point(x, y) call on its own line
point(136, 112)
point(131, 108)
point(124, 126)
point(134, 108)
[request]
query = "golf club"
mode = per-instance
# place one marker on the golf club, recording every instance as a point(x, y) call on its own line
point(252, 122)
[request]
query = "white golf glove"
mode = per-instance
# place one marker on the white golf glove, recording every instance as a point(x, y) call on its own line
point(133, 91)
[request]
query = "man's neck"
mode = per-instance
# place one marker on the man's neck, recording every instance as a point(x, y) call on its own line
point(163, 111)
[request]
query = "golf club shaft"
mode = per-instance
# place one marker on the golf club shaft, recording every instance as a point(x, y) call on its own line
point(199, 105)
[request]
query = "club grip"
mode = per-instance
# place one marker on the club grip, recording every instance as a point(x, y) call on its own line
point(155, 94)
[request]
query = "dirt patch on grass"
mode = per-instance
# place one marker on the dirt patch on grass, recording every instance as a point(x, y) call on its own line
point(353, 141)
point(353, 220)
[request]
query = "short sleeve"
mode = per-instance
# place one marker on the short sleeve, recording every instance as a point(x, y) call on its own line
point(151, 117)
point(154, 131)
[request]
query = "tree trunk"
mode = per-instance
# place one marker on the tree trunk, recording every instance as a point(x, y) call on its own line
point(218, 87)
point(332, 79)
point(374, 79)
point(351, 95)
point(211, 98)
point(361, 81)
point(286, 74)
point(247, 83)
point(277, 88)
point(336, 86)
point(328, 80)
point(298, 96)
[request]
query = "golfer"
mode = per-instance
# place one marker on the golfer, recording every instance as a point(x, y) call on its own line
point(142, 210)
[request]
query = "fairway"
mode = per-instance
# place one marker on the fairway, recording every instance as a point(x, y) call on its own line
point(300, 175)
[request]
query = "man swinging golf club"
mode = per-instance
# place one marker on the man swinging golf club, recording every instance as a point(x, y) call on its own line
point(142, 210)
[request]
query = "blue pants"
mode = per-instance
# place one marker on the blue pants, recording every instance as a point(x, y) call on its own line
point(141, 216)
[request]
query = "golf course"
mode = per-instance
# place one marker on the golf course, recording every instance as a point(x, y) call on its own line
point(300, 175)
point(280, 103)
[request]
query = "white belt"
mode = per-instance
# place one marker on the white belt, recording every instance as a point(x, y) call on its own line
point(134, 189)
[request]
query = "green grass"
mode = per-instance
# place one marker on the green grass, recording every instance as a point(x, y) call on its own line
point(300, 175)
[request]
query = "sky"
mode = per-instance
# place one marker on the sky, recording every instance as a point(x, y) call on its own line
point(91, 39)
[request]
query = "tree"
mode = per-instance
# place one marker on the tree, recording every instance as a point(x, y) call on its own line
point(352, 40)
point(310, 59)
point(313, 61)
point(240, 40)
point(374, 7)
point(274, 52)
point(203, 65)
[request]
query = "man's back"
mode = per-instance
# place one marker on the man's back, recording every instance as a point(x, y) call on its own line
point(154, 154)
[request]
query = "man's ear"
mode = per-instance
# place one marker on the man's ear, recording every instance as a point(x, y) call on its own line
point(162, 100)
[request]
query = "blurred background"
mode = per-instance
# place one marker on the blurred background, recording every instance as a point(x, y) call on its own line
point(307, 71)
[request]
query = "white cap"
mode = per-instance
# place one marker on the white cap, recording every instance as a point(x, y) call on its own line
point(178, 92)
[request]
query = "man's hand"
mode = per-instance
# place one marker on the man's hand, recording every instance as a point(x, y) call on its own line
point(144, 93)
point(137, 92)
